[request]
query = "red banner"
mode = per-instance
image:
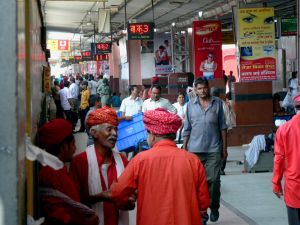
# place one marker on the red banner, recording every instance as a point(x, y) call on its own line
point(208, 49)
point(258, 69)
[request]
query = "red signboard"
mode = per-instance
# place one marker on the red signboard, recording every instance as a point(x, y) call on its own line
point(63, 45)
point(101, 48)
point(208, 49)
point(77, 58)
point(140, 31)
point(86, 55)
point(101, 57)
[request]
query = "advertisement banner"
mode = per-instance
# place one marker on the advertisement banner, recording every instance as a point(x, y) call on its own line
point(58, 45)
point(208, 49)
point(162, 53)
point(257, 44)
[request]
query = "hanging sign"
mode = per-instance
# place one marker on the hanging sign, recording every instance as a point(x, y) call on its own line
point(140, 31)
point(257, 44)
point(58, 45)
point(86, 56)
point(101, 57)
point(77, 58)
point(289, 26)
point(101, 48)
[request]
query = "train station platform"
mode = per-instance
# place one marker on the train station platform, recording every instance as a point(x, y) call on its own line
point(246, 198)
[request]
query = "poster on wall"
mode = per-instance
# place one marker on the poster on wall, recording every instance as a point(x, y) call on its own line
point(162, 54)
point(257, 44)
point(208, 49)
point(58, 45)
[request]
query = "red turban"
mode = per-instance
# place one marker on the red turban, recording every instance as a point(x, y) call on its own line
point(160, 122)
point(102, 115)
point(296, 100)
point(54, 132)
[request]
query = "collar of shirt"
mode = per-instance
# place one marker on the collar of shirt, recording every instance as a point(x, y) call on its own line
point(151, 100)
point(196, 100)
point(135, 99)
point(164, 142)
point(100, 159)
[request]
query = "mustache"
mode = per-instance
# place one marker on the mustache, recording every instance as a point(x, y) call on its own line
point(112, 138)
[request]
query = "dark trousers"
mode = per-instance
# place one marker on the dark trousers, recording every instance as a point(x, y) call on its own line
point(293, 215)
point(72, 117)
point(212, 164)
point(59, 109)
point(82, 114)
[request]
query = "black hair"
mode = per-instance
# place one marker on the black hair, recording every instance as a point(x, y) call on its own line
point(85, 83)
point(55, 149)
point(131, 88)
point(165, 136)
point(55, 82)
point(202, 81)
point(180, 93)
point(294, 74)
point(162, 47)
point(156, 86)
point(66, 83)
point(276, 96)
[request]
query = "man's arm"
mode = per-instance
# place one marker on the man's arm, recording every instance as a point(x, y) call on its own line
point(279, 159)
point(187, 127)
point(170, 107)
point(224, 140)
point(223, 129)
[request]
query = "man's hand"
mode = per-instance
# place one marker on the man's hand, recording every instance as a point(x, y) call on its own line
point(278, 194)
point(224, 154)
point(128, 118)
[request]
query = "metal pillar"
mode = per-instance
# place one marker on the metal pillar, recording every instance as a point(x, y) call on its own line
point(180, 50)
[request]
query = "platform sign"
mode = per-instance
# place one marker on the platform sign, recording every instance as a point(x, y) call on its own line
point(208, 49)
point(289, 26)
point(101, 57)
point(77, 58)
point(101, 48)
point(140, 31)
point(257, 44)
point(86, 56)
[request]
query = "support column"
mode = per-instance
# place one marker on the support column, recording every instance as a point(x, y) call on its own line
point(12, 113)
point(114, 67)
point(134, 59)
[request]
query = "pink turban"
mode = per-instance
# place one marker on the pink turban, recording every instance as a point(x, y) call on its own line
point(160, 122)
point(296, 100)
point(54, 132)
point(102, 115)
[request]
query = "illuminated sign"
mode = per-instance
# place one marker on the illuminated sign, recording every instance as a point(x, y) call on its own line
point(101, 57)
point(101, 48)
point(289, 26)
point(140, 31)
point(77, 58)
point(86, 56)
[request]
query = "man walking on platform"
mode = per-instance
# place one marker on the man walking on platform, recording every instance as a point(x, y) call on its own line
point(95, 169)
point(171, 183)
point(205, 134)
point(286, 162)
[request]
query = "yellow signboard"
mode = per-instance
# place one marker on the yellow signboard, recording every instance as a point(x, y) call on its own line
point(257, 44)
point(58, 45)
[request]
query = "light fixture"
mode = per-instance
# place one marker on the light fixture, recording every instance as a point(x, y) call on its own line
point(89, 12)
point(89, 23)
point(173, 24)
point(124, 31)
point(190, 30)
point(182, 32)
point(155, 30)
point(200, 14)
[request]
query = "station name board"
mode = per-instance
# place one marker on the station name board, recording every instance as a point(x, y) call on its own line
point(140, 31)
point(101, 57)
point(86, 55)
point(101, 48)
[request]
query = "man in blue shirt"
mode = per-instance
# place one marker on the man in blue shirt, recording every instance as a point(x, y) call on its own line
point(205, 135)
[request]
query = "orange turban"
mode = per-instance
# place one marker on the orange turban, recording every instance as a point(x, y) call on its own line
point(102, 115)
point(54, 132)
point(160, 122)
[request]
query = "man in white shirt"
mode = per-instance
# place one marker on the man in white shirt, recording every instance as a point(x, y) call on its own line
point(74, 92)
point(66, 101)
point(93, 89)
point(132, 104)
point(157, 102)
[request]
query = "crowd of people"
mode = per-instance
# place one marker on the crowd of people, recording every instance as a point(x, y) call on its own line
point(102, 185)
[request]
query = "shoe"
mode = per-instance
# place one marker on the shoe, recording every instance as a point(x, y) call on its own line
point(214, 215)
point(222, 173)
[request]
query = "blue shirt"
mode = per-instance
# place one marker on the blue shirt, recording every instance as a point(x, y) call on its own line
point(204, 126)
point(115, 101)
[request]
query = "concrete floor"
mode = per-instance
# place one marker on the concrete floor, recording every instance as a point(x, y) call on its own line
point(247, 198)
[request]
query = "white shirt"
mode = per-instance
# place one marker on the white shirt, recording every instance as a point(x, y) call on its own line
point(64, 95)
point(131, 106)
point(150, 104)
point(74, 90)
point(93, 87)
point(181, 110)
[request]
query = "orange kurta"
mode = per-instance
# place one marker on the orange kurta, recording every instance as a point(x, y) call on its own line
point(171, 186)
point(286, 161)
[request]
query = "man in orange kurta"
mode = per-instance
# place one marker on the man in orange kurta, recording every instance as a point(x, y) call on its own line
point(286, 162)
point(171, 183)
